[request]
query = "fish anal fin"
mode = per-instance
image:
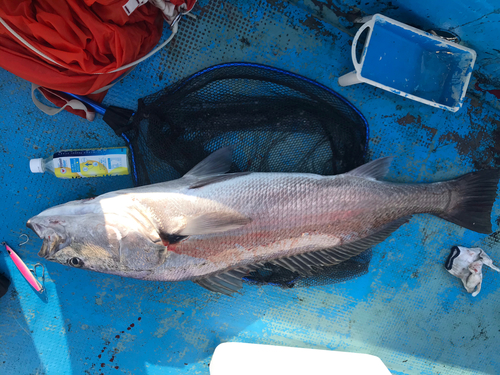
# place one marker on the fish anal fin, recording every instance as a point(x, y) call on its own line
point(307, 264)
point(375, 169)
point(226, 282)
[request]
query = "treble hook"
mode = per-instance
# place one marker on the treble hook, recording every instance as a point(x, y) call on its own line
point(25, 242)
point(43, 275)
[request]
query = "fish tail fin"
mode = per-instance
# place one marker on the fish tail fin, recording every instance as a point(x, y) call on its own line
point(472, 199)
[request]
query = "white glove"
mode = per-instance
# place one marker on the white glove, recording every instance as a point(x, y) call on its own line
point(467, 265)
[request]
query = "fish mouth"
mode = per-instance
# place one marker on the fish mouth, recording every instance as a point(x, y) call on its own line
point(51, 246)
point(45, 250)
point(52, 242)
point(34, 227)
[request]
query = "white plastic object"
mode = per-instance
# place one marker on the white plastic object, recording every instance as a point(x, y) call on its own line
point(412, 63)
point(233, 358)
point(467, 264)
point(36, 165)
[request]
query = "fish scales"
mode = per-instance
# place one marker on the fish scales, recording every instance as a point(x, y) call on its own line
point(296, 214)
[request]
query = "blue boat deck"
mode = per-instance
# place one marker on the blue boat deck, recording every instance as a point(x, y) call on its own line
point(408, 309)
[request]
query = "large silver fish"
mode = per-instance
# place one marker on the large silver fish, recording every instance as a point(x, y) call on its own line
point(214, 228)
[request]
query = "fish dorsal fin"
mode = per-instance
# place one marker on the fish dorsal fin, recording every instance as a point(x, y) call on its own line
point(307, 264)
point(227, 282)
point(213, 222)
point(212, 169)
point(375, 169)
point(219, 162)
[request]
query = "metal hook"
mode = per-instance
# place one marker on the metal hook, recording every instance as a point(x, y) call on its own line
point(25, 242)
point(43, 275)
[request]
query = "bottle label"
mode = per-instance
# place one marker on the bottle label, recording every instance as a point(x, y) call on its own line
point(91, 163)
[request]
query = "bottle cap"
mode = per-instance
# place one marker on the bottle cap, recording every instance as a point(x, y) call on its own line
point(36, 165)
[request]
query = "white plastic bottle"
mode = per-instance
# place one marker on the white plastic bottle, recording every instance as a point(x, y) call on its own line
point(100, 162)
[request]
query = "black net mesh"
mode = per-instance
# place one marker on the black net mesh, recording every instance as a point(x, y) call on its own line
point(275, 121)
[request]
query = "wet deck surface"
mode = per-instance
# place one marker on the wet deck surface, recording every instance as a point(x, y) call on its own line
point(407, 310)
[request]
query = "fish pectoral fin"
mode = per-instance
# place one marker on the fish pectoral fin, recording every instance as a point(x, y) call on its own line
point(376, 169)
point(307, 264)
point(218, 162)
point(227, 282)
point(215, 179)
point(213, 222)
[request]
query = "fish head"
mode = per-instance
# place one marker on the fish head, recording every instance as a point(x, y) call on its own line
point(107, 243)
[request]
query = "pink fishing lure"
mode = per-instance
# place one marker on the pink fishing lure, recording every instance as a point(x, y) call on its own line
point(24, 269)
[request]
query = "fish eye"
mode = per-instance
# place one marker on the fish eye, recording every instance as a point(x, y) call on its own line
point(75, 262)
